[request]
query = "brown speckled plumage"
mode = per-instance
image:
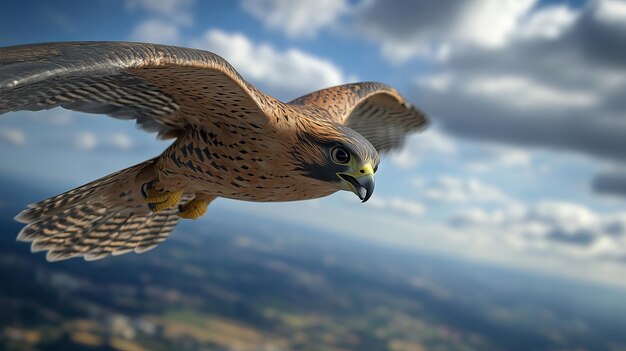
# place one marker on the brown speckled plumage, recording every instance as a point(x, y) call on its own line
point(231, 140)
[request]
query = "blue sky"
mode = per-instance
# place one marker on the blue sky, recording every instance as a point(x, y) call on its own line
point(524, 164)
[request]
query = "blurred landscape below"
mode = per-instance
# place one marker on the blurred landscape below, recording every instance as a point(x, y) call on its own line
point(253, 284)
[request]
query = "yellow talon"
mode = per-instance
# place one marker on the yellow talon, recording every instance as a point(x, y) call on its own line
point(158, 197)
point(153, 195)
point(162, 201)
point(193, 209)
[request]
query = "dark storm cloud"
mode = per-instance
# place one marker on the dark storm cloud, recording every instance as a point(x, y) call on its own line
point(403, 19)
point(612, 183)
point(583, 130)
point(600, 41)
point(588, 61)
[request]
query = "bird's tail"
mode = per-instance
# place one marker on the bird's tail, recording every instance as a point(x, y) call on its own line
point(102, 218)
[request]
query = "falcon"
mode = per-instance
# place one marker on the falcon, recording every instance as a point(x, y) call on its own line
point(229, 140)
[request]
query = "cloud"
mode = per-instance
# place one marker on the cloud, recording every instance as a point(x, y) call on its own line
point(12, 136)
point(59, 118)
point(433, 142)
point(120, 141)
point(113, 142)
point(271, 68)
point(558, 82)
point(497, 156)
point(396, 205)
point(177, 11)
point(409, 28)
point(610, 183)
point(456, 190)
point(303, 18)
point(164, 22)
point(548, 23)
point(612, 11)
point(85, 141)
point(156, 31)
point(525, 94)
point(55, 117)
point(552, 225)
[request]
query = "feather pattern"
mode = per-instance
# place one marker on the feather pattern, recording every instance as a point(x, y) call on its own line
point(106, 78)
point(374, 110)
point(102, 218)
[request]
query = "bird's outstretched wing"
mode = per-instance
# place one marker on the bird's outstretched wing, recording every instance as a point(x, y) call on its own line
point(165, 88)
point(374, 110)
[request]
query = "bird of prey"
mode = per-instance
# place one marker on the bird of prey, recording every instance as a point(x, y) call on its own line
point(229, 140)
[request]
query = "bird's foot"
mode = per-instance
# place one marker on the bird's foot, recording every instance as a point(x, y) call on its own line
point(160, 200)
point(193, 209)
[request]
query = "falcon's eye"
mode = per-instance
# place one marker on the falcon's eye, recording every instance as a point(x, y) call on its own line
point(340, 155)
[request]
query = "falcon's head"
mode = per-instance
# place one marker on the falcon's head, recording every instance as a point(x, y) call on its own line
point(342, 158)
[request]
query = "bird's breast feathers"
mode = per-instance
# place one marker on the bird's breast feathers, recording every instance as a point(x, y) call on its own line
point(249, 167)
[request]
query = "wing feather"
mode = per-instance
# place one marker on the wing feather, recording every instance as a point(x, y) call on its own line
point(374, 110)
point(164, 88)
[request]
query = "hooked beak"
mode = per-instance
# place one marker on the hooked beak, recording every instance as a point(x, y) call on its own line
point(360, 182)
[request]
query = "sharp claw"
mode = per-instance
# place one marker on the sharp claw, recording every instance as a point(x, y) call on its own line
point(193, 209)
point(146, 188)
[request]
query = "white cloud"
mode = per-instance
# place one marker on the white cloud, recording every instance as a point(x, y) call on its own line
point(85, 141)
point(156, 31)
point(121, 141)
point(12, 136)
point(431, 142)
point(437, 81)
point(88, 141)
point(396, 205)
point(547, 23)
point(291, 72)
point(490, 22)
point(611, 11)
point(57, 116)
point(405, 158)
point(456, 190)
point(569, 216)
point(510, 157)
point(178, 11)
point(434, 29)
point(302, 18)
point(398, 52)
point(560, 226)
point(166, 17)
point(476, 216)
